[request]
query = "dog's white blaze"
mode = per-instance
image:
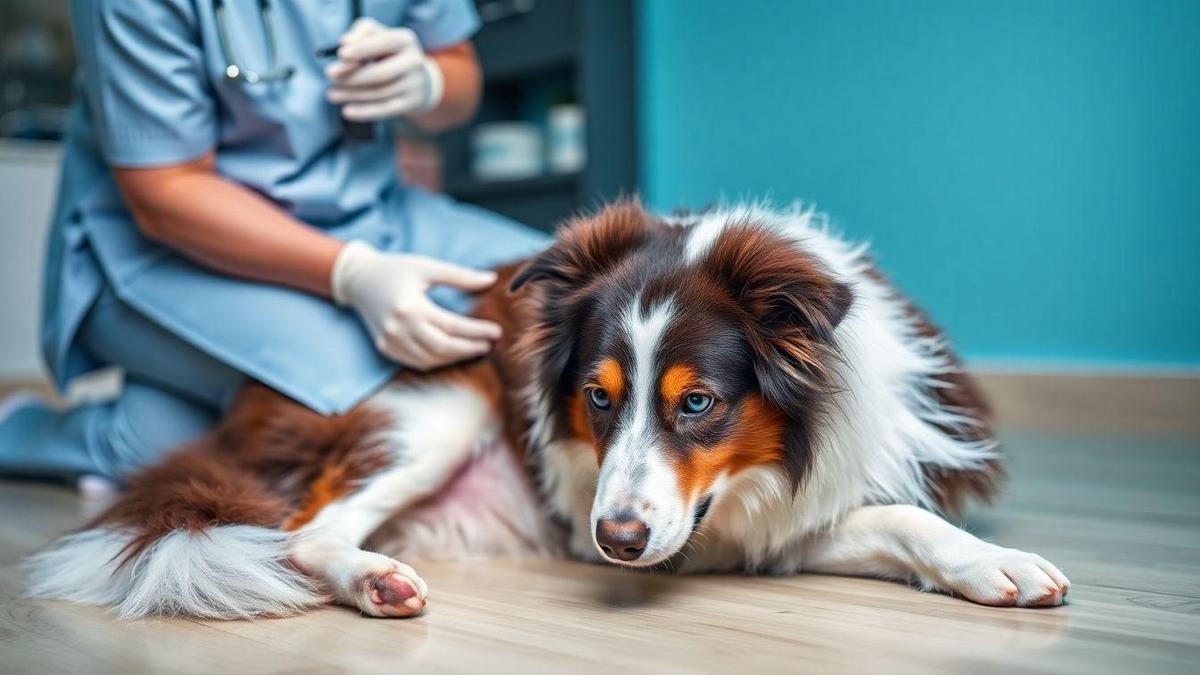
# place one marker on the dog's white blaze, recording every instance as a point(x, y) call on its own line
point(636, 475)
point(622, 468)
point(645, 335)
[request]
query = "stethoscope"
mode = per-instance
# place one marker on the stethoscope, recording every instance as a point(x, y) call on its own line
point(234, 70)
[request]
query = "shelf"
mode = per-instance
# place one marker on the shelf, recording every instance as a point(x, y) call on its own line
point(476, 189)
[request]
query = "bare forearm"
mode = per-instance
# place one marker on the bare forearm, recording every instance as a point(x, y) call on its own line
point(228, 227)
point(463, 81)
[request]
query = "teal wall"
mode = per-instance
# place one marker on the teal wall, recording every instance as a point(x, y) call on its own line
point(1027, 170)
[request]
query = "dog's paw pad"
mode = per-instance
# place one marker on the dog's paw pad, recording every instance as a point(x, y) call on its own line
point(395, 595)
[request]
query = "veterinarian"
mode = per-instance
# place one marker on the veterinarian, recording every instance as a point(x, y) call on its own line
point(230, 209)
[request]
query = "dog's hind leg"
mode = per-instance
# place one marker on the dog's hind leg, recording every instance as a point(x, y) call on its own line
point(438, 427)
point(372, 582)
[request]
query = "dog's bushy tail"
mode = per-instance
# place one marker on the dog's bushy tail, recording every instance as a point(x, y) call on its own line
point(224, 572)
point(193, 536)
point(205, 532)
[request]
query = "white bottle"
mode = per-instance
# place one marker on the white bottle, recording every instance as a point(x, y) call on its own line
point(567, 151)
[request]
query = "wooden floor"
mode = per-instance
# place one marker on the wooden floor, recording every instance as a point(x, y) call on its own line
point(1120, 517)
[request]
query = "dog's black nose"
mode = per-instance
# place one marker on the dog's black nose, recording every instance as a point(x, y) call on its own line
point(622, 538)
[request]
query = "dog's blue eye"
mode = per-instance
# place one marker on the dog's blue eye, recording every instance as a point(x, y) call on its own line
point(696, 404)
point(599, 398)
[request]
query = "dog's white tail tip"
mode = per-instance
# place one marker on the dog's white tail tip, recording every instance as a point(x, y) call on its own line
point(225, 572)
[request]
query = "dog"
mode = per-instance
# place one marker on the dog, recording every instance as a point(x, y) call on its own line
point(735, 390)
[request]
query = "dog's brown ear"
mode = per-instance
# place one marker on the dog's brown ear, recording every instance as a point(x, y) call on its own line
point(585, 249)
point(588, 246)
point(794, 302)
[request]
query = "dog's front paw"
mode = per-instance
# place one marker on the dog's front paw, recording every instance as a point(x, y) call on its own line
point(1003, 577)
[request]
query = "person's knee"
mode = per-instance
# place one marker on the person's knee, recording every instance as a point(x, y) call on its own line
point(143, 426)
point(117, 334)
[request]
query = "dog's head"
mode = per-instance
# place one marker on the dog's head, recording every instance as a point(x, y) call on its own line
point(684, 356)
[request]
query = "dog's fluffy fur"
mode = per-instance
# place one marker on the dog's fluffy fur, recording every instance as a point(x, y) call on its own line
point(743, 373)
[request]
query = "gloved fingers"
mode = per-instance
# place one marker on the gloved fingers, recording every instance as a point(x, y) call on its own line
point(370, 45)
point(381, 110)
point(339, 69)
point(446, 349)
point(416, 356)
point(362, 26)
point(375, 73)
point(449, 274)
point(464, 326)
point(350, 52)
point(403, 87)
point(402, 347)
point(358, 30)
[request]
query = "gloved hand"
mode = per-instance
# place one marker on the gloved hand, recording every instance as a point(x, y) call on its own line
point(382, 72)
point(389, 291)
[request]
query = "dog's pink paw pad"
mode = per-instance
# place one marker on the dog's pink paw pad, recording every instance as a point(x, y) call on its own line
point(395, 595)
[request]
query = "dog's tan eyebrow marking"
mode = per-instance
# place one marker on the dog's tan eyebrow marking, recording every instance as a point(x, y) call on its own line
point(675, 383)
point(578, 419)
point(756, 440)
point(609, 376)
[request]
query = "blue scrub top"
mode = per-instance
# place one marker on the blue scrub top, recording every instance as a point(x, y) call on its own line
point(152, 91)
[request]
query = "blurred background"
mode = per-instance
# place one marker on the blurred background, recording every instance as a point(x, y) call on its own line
point(1029, 171)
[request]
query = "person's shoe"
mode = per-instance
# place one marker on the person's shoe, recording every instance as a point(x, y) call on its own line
point(28, 423)
point(97, 488)
point(20, 400)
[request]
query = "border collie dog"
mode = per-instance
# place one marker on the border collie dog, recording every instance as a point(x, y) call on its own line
point(737, 390)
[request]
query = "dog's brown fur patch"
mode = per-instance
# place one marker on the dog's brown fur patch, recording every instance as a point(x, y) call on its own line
point(272, 462)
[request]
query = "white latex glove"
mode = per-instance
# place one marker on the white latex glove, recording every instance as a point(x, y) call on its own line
point(382, 72)
point(390, 293)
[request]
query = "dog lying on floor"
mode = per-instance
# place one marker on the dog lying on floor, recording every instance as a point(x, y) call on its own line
point(735, 390)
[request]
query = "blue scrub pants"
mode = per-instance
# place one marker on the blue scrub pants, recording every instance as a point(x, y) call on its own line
point(173, 393)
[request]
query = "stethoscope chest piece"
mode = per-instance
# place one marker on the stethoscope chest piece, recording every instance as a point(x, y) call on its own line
point(234, 70)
